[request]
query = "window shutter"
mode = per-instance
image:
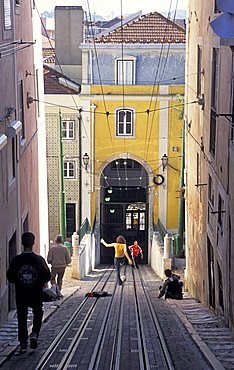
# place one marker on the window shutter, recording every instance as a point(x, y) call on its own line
point(7, 15)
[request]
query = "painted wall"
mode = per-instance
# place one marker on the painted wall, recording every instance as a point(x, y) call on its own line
point(69, 105)
point(205, 168)
point(145, 143)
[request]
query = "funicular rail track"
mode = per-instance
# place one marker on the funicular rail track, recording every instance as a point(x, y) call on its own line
point(115, 332)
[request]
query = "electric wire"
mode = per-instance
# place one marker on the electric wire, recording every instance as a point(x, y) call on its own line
point(101, 85)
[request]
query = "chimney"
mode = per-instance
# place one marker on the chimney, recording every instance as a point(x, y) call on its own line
point(68, 34)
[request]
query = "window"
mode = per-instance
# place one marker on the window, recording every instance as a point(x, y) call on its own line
point(125, 71)
point(71, 218)
point(198, 172)
point(123, 164)
point(199, 70)
point(69, 169)
point(21, 107)
point(210, 191)
point(7, 15)
point(37, 93)
point(124, 122)
point(11, 160)
point(68, 129)
point(216, 9)
point(214, 89)
point(220, 212)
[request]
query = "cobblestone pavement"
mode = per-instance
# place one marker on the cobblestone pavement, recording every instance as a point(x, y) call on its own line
point(8, 332)
point(215, 341)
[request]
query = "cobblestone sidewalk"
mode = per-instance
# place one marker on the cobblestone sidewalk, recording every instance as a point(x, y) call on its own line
point(8, 332)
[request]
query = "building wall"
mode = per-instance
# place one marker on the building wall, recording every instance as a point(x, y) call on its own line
point(28, 156)
point(205, 234)
point(71, 152)
point(147, 145)
point(8, 193)
point(68, 39)
point(40, 114)
point(18, 173)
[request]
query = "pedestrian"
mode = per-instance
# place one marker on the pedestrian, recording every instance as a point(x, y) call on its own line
point(120, 252)
point(59, 257)
point(29, 272)
point(135, 250)
point(172, 286)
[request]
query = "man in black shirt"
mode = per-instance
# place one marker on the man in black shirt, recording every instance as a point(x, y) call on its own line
point(29, 272)
point(172, 286)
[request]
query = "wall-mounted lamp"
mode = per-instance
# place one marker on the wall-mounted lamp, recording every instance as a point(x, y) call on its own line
point(164, 160)
point(30, 99)
point(85, 161)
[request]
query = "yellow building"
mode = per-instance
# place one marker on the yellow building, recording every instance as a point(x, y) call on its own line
point(133, 77)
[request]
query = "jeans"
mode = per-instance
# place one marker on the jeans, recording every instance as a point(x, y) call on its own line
point(22, 314)
point(118, 264)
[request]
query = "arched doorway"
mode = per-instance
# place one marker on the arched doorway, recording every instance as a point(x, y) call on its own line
point(124, 205)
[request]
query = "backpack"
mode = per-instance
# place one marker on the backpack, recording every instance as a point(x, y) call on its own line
point(174, 290)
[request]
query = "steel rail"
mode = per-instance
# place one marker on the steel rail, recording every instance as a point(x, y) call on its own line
point(143, 353)
point(115, 355)
point(58, 339)
point(157, 326)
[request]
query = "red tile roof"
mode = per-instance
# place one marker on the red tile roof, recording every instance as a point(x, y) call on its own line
point(52, 84)
point(152, 28)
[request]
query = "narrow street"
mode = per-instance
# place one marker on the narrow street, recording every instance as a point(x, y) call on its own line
point(125, 322)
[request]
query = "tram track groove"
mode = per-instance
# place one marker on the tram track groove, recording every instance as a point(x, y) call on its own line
point(156, 324)
point(59, 338)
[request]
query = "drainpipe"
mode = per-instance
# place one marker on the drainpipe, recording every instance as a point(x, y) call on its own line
point(181, 211)
point(80, 172)
point(62, 192)
point(93, 107)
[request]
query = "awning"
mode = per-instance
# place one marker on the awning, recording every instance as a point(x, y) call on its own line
point(225, 5)
point(223, 26)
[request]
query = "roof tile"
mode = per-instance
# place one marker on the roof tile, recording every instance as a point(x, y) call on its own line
point(152, 28)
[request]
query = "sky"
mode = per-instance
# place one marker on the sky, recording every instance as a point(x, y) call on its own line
point(113, 7)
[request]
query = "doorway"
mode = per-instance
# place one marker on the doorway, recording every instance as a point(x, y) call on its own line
point(211, 274)
point(11, 287)
point(124, 206)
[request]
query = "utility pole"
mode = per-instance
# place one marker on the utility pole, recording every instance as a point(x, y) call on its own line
point(62, 192)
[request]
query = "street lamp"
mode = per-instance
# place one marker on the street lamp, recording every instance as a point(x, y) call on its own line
point(85, 159)
point(164, 160)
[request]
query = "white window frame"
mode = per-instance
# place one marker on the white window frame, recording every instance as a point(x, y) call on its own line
point(67, 129)
point(67, 169)
point(124, 123)
point(129, 63)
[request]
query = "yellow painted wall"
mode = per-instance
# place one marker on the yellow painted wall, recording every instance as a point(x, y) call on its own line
point(145, 141)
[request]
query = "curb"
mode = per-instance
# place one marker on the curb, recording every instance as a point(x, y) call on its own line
point(207, 353)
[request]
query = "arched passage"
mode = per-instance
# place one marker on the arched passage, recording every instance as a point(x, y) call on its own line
point(124, 205)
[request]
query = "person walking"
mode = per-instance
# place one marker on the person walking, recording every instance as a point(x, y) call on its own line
point(120, 252)
point(59, 257)
point(135, 250)
point(29, 272)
